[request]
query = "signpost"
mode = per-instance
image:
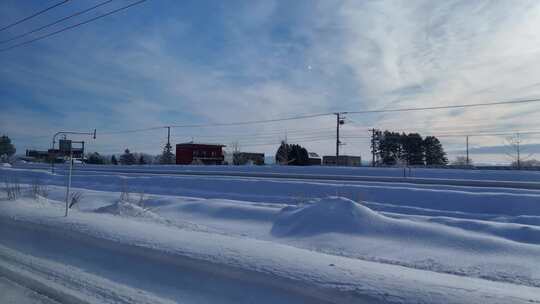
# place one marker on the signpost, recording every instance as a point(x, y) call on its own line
point(65, 149)
point(68, 188)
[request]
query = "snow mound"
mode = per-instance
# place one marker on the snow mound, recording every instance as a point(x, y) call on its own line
point(331, 214)
point(128, 209)
point(6, 165)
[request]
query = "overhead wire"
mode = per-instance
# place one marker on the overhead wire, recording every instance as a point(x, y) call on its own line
point(482, 104)
point(72, 26)
point(33, 15)
point(55, 22)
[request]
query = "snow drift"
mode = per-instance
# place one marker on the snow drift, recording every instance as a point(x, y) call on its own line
point(332, 214)
point(341, 215)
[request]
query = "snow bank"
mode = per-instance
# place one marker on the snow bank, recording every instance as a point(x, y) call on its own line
point(6, 165)
point(128, 209)
point(504, 175)
point(401, 198)
point(332, 214)
point(154, 258)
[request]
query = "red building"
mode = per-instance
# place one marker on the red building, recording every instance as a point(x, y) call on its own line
point(192, 153)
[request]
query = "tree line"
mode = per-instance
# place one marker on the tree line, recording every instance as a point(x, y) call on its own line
point(130, 158)
point(394, 148)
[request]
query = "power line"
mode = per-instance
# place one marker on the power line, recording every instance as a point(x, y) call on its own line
point(56, 22)
point(478, 134)
point(251, 122)
point(33, 15)
point(132, 130)
point(447, 106)
point(306, 116)
point(72, 26)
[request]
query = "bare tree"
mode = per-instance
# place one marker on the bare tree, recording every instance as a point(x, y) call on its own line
point(515, 150)
point(12, 188)
point(75, 198)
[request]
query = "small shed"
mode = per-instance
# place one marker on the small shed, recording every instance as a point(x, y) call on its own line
point(314, 159)
point(344, 160)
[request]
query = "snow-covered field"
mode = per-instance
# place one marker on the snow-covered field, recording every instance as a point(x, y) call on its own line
point(240, 239)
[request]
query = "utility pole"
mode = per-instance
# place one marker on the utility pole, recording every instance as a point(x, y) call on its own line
point(518, 152)
point(373, 147)
point(168, 136)
point(337, 138)
point(467, 144)
point(339, 121)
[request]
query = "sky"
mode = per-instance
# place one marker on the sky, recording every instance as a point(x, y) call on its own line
point(202, 62)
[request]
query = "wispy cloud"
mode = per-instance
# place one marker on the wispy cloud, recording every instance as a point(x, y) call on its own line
point(215, 62)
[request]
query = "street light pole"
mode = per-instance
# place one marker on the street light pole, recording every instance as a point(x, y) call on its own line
point(69, 179)
point(68, 187)
point(65, 133)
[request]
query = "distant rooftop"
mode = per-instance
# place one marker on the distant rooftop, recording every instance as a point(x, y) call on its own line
point(201, 144)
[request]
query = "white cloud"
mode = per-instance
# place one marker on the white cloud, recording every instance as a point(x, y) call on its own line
point(335, 55)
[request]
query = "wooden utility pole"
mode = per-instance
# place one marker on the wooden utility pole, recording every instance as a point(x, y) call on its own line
point(337, 137)
point(518, 152)
point(373, 147)
point(467, 148)
point(168, 136)
point(339, 121)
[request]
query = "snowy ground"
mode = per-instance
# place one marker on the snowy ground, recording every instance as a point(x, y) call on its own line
point(209, 239)
point(13, 293)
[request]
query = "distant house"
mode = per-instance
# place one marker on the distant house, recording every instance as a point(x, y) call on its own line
point(344, 160)
point(198, 153)
point(314, 159)
point(36, 155)
point(66, 149)
point(248, 158)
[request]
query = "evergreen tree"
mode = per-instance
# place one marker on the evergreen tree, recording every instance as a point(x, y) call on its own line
point(300, 155)
point(412, 147)
point(392, 148)
point(389, 148)
point(295, 155)
point(113, 160)
point(282, 154)
point(127, 158)
point(95, 158)
point(434, 152)
point(167, 157)
point(141, 160)
point(7, 149)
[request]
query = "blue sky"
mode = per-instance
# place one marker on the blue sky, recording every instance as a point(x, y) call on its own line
point(182, 62)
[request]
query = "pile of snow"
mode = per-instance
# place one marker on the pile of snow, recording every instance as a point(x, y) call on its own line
point(341, 215)
point(331, 214)
point(6, 165)
point(128, 209)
